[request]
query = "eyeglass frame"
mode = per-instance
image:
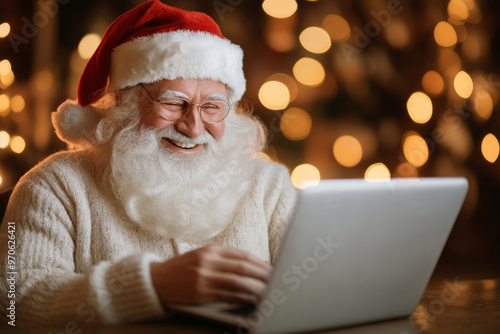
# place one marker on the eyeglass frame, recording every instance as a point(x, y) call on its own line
point(188, 109)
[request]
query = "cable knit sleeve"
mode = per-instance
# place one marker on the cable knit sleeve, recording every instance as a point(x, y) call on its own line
point(285, 197)
point(47, 289)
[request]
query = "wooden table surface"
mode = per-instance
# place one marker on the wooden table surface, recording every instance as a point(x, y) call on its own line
point(448, 306)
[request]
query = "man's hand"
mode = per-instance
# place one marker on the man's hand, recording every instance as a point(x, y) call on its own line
point(210, 274)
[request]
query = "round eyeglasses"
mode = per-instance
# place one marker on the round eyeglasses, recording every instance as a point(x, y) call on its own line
point(172, 109)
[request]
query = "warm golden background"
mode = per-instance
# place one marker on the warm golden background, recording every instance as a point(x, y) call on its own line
point(368, 88)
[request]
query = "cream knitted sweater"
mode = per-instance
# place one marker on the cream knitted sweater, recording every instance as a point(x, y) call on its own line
point(80, 259)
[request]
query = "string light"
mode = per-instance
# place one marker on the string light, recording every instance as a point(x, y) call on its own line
point(7, 80)
point(5, 67)
point(88, 44)
point(4, 29)
point(296, 124)
point(337, 27)
point(4, 105)
point(17, 144)
point(415, 149)
point(274, 95)
point(490, 148)
point(279, 9)
point(4, 139)
point(449, 62)
point(348, 151)
point(445, 35)
point(309, 72)
point(463, 84)
point(17, 103)
point(483, 104)
point(458, 10)
point(406, 169)
point(44, 80)
point(304, 176)
point(377, 172)
point(433, 83)
point(397, 34)
point(419, 107)
point(315, 40)
point(290, 83)
point(263, 156)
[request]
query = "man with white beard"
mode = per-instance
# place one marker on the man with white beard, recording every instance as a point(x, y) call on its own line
point(162, 200)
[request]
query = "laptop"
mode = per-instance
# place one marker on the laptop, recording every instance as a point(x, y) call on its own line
point(355, 252)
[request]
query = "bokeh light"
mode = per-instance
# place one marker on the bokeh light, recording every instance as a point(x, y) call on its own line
point(458, 10)
point(4, 104)
point(17, 144)
point(445, 35)
point(455, 137)
point(76, 63)
point(280, 35)
point(483, 104)
point(263, 156)
point(337, 27)
point(463, 84)
point(433, 83)
point(406, 169)
point(296, 124)
point(419, 107)
point(7, 80)
point(17, 103)
point(88, 44)
point(315, 40)
point(475, 15)
point(4, 139)
point(377, 172)
point(290, 83)
point(490, 148)
point(5, 67)
point(449, 62)
point(304, 176)
point(44, 80)
point(309, 72)
point(279, 8)
point(472, 47)
point(397, 34)
point(415, 149)
point(4, 29)
point(462, 33)
point(274, 95)
point(348, 151)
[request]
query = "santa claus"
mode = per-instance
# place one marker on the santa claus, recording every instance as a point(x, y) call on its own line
point(162, 198)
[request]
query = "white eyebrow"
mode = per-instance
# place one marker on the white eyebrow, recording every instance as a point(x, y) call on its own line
point(216, 96)
point(172, 94)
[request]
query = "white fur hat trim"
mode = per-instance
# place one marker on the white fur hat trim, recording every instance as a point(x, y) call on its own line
point(178, 54)
point(73, 123)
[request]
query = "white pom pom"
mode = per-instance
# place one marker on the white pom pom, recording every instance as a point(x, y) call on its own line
point(73, 123)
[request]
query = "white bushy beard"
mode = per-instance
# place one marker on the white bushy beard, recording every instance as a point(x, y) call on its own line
point(184, 196)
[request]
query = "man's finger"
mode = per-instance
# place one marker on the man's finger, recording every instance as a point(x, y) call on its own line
point(241, 267)
point(240, 255)
point(236, 283)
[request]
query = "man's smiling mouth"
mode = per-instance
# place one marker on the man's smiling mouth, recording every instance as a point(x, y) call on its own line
point(181, 144)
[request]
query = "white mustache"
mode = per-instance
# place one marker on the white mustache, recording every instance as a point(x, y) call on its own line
point(170, 132)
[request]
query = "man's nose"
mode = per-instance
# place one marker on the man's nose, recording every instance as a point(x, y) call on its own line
point(191, 124)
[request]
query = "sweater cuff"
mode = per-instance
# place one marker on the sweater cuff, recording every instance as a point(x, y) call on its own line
point(131, 287)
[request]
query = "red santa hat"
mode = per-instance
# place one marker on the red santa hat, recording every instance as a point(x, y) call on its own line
point(149, 43)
